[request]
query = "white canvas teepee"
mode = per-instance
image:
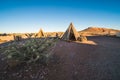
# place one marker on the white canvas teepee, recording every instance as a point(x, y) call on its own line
point(71, 33)
point(40, 33)
point(118, 34)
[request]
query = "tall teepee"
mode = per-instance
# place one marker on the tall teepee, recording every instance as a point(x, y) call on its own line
point(40, 33)
point(71, 33)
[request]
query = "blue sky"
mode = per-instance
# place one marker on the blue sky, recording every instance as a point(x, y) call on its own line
point(56, 15)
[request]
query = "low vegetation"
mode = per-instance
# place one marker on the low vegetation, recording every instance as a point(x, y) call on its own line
point(27, 59)
point(29, 51)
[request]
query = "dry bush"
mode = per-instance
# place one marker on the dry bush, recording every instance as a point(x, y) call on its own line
point(30, 51)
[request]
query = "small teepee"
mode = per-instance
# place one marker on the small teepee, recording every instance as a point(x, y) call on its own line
point(40, 33)
point(71, 33)
point(118, 34)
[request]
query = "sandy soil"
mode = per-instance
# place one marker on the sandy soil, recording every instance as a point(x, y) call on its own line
point(85, 61)
point(97, 59)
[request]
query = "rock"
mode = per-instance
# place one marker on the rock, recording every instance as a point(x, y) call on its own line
point(82, 38)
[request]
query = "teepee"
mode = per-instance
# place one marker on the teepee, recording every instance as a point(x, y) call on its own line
point(71, 33)
point(118, 34)
point(40, 33)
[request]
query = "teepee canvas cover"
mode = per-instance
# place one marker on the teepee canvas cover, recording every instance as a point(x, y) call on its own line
point(40, 33)
point(118, 34)
point(71, 33)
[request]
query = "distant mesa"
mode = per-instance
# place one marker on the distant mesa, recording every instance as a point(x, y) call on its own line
point(97, 29)
point(91, 31)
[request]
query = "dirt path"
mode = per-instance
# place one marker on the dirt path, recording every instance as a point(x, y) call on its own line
point(87, 62)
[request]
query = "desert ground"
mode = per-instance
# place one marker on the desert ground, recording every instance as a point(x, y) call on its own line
point(96, 59)
point(82, 61)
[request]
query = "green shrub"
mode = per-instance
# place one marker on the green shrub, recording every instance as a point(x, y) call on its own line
point(28, 52)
